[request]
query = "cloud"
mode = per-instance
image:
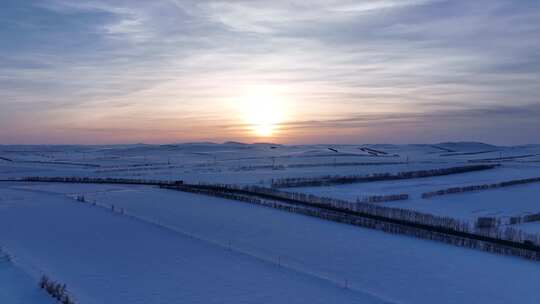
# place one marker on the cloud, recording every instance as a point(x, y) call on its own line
point(378, 5)
point(77, 64)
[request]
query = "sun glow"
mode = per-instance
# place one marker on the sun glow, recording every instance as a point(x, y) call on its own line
point(263, 111)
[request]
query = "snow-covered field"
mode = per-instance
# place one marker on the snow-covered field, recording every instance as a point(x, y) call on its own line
point(503, 202)
point(17, 287)
point(162, 246)
point(109, 258)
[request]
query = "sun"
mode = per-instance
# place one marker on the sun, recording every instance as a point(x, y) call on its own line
point(262, 111)
point(263, 115)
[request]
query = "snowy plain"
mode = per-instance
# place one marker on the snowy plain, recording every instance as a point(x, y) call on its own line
point(17, 287)
point(163, 246)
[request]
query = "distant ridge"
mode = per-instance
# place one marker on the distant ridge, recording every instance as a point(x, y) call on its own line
point(466, 146)
point(235, 143)
point(466, 143)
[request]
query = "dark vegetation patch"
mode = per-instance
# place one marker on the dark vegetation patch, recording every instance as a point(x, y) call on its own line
point(56, 290)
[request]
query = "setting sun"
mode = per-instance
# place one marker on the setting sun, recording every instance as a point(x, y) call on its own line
point(253, 151)
point(263, 111)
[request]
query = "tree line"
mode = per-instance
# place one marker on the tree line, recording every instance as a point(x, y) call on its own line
point(491, 222)
point(471, 188)
point(382, 198)
point(498, 159)
point(426, 226)
point(348, 179)
point(396, 220)
point(99, 180)
point(377, 211)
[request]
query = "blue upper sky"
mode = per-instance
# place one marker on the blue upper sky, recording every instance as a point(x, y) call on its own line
point(334, 71)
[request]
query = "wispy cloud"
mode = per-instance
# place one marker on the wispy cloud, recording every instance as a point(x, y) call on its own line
point(84, 65)
point(378, 5)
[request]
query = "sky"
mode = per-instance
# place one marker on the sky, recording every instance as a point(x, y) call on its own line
point(296, 72)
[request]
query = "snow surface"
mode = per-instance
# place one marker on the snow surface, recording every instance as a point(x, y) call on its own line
point(109, 258)
point(502, 202)
point(415, 187)
point(237, 162)
point(326, 256)
point(173, 247)
point(17, 287)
